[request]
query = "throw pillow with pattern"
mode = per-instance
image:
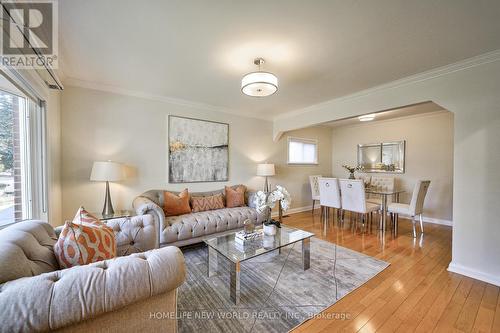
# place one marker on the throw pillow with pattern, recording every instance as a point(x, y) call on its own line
point(211, 202)
point(84, 240)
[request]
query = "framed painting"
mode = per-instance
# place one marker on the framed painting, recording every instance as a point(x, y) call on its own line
point(198, 150)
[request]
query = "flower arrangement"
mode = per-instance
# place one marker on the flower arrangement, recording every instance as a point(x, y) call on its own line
point(352, 170)
point(386, 167)
point(267, 201)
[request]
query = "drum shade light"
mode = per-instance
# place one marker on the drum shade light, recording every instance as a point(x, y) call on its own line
point(259, 84)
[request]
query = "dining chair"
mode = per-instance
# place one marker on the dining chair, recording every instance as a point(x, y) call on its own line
point(366, 178)
point(313, 181)
point(329, 196)
point(353, 198)
point(415, 207)
point(381, 183)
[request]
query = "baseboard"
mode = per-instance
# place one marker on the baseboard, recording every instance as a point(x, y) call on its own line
point(437, 221)
point(472, 273)
point(431, 220)
point(293, 210)
point(425, 218)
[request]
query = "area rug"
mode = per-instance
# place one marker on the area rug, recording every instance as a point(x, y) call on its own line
point(276, 293)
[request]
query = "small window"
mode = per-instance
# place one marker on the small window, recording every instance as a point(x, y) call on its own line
point(302, 151)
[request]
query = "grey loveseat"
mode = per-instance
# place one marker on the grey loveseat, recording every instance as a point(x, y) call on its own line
point(124, 294)
point(192, 228)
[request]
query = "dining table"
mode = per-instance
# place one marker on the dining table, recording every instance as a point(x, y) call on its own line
point(384, 195)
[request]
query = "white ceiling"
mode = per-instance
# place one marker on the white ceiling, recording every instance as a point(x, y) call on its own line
point(408, 111)
point(198, 50)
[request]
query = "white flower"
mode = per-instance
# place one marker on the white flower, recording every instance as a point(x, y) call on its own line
point(260, 201)
point(275, 196)
point(264, 201)
point(285, 198)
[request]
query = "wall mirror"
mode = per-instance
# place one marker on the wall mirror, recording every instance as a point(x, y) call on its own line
point(388, 157)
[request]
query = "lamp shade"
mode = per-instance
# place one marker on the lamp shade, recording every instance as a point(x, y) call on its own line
point(106, 171)
point(265, 169)
point(259, 84)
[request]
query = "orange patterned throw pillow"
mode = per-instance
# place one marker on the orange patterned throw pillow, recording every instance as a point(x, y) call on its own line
point(235, 197)
point(84, 240)
point(211, 202)
point(176, 204)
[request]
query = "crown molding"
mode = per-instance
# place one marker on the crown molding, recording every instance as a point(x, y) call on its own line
point(73, 82)
point(420, 77)
point(434, 113)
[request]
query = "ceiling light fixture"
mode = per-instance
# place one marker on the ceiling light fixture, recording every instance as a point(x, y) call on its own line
point(368, 117)
point(259, 84)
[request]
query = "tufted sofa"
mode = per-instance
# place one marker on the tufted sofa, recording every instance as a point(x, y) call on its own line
point(133, 234)
point(192, 228)
point(124, 294)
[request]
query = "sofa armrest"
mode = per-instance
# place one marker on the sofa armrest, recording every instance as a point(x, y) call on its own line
point(143, 206)
point(135, 234)
point(58, 230)
point(53, 300)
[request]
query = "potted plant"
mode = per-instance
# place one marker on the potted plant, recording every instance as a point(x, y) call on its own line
point(267, 201)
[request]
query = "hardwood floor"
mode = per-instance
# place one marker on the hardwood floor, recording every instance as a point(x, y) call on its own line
point(415, 293)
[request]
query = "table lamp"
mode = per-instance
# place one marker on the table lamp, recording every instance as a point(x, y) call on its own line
point(107, 172)
point(266, 170)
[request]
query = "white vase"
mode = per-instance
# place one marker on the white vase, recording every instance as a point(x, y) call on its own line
point(268, 241)
point(270, 230)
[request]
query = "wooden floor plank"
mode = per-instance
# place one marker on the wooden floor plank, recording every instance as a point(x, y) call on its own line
point(496, 321)
point(404, 301)
point(423, 306)
point(450, 315)
point(486, 313)
point(432, 317)
point(467, 316)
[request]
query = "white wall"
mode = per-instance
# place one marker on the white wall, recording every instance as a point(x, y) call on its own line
point(469, 89)
point(429, 155)
point(99, 125)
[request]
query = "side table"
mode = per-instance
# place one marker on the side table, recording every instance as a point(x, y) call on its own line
point(118, 214)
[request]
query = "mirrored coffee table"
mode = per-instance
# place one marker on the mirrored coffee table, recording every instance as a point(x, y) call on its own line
point(226, 247)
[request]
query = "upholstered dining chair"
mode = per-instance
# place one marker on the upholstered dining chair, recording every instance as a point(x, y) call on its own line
point(366, 178)
point(353, 198)
point(329, 195)
point(415, 207)
point(384, 183)
point(313, 181)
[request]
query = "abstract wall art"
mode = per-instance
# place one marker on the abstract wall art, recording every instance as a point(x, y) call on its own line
point(198, 150)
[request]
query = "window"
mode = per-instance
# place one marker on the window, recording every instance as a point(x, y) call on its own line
point(22, 157)
point(302, 151)
point(12, 159)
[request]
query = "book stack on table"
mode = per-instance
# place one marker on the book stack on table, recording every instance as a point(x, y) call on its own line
point(241, 237)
